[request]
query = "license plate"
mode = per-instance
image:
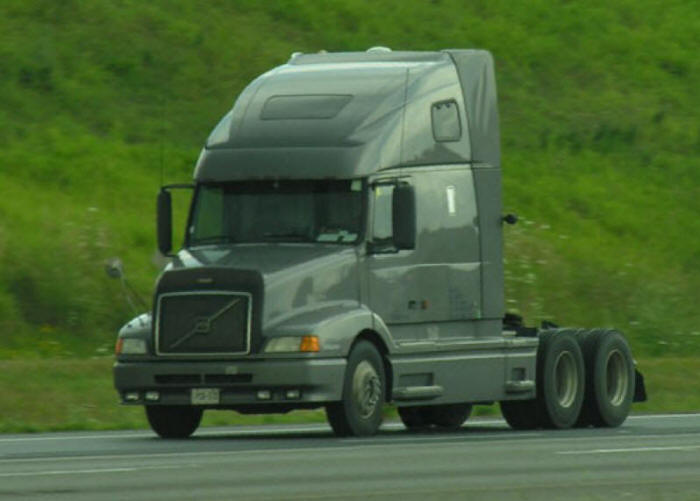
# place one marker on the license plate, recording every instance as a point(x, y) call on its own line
point(204, 396)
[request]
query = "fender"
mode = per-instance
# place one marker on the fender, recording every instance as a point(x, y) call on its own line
point(139, 326)
point(337, 324)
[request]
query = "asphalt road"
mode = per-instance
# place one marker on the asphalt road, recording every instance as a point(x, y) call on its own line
point(649, 457)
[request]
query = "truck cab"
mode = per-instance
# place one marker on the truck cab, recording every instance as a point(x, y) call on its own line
point(344, 250)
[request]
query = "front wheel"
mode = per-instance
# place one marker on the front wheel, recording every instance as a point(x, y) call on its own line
point(359, 413)
point(173, 421)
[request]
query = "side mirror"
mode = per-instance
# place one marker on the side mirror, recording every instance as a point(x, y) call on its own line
point(510, 219)
point(403, 214)
point(164, 216)
point(114, 268)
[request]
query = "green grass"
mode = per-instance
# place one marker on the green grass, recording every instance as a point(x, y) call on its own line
point(77, 394)
point(101, 101)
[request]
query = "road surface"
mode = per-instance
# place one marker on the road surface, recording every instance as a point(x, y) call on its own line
point(649, 457)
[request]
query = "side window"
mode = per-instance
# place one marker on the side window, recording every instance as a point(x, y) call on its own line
point(445, 119)
point(382, 224)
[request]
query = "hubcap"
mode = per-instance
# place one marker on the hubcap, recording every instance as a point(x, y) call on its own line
point(565, 379)
point(617, 377)
point(366, 389)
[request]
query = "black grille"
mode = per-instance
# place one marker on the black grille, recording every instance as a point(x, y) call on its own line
point(196, 379)
point(178, 378)
point(227, 378)
point(210, 323)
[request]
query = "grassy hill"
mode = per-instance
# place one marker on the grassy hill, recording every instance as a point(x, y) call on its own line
point(601, 146)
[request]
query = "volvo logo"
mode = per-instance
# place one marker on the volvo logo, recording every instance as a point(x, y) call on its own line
point(202, 325)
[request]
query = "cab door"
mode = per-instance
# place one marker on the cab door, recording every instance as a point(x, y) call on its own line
point(391, 287)
point(429, 293)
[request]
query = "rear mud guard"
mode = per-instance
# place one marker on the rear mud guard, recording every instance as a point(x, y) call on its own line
point(640, 391)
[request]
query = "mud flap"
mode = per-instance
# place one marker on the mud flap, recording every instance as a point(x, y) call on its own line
point(640, 391)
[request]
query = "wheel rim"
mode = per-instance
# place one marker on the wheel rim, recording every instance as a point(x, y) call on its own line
point(366, 389)
point(617, 377)
point(565, 379)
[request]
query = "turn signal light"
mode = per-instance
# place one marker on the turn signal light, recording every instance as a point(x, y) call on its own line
point(293, 344)
point(309, 344)
point(118, 347)
point(130, 346)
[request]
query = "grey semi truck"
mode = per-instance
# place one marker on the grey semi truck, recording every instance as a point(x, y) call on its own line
point(344, 250)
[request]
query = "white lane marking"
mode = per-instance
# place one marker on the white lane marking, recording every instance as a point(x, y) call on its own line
point(284, 430)
point(63, 472)
point(663, 416)
point(628, 437)
point(362, 444)
point(233, 431)
point(149, 434)
point(86, 437)
point(85, 472)
point(244, 454)
point(634, 449)
point(437, 438)
point(346, 445)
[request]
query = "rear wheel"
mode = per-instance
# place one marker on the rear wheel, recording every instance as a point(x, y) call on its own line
point(173, 421)
point(611, 378)
point(359, 413)
point(560, 385)
point(560, 379)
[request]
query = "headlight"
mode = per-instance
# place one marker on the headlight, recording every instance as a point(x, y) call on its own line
point(130, 346)
point(293, 344)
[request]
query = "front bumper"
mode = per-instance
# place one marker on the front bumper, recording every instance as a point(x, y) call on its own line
point(238, 381)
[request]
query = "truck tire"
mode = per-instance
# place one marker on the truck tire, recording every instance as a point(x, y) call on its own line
point(415, 418)
point(560, 385)
point(173, 421)
point(560, 379)
point(447, 416)
point(610, 378)
point(359, 413)
point(520, 414)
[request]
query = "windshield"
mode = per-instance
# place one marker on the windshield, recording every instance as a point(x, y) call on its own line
point(328, 211)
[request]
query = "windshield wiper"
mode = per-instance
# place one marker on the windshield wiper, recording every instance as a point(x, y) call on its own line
point(296, 237)
point(214, 239)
